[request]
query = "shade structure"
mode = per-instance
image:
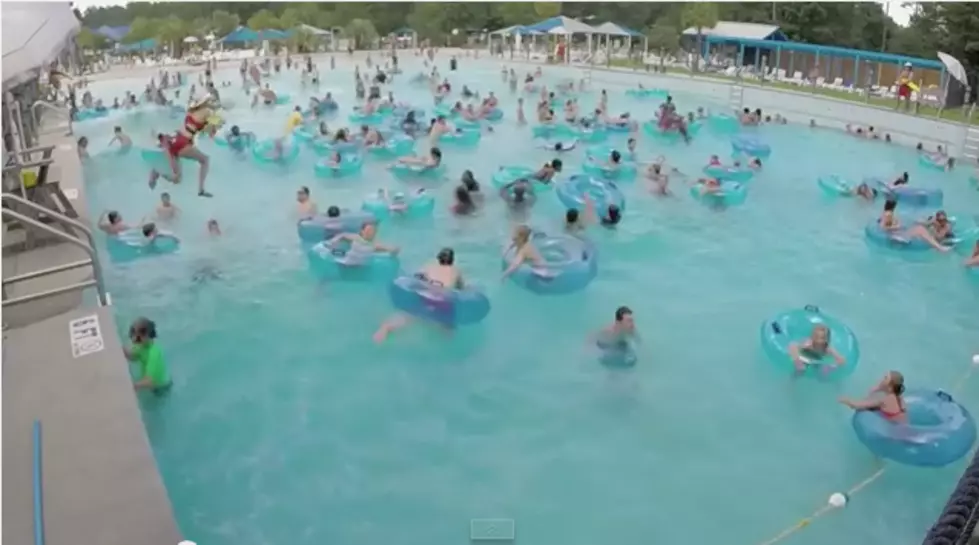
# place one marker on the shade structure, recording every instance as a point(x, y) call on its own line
point(563, 25)
point(34, 34)
point(244, 34)
point(611, 29)
point(318, 32)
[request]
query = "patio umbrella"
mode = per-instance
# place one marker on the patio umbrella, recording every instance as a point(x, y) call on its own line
point(954, 67)
point(190, 40)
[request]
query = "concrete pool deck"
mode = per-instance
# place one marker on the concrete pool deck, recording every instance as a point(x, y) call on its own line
point(100, 480)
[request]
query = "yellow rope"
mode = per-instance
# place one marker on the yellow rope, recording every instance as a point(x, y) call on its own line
point(853, 490)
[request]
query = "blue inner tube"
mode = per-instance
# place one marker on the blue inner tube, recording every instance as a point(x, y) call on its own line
point(647, 93)
point(350, 163)
point(402, 170)
point(262, 151)
point(131, 245)
point(794, 327)
point(626, 170)
point(732, 193)
point(900, 241)
point(366, 119)
point(447, 306)
point(393, 147)
point(321, 227)
point(912, 196)
point(938, 432)
point(932, 162)
point(509, 174)
point(417, 204)
point(729, 173)
point(340, 263)
point(751, 145)
point(495, 114)
point(836, 186)
point(462, 137)
point(571, 264)
point(571, 193)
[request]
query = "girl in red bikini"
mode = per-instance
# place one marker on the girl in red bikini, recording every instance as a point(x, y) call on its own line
point(886, 398)
point(181, 145)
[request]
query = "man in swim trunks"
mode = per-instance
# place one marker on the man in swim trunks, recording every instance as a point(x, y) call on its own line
point(620, 331)
point(442, 273)
point(306, 207)
point(153, 374)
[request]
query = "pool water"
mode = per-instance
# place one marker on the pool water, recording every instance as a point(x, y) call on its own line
point(287, 424)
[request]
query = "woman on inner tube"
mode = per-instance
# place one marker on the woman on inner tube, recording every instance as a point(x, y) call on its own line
point(181, 145)
point(525, 251)
point(930, 233)
point(886, 399)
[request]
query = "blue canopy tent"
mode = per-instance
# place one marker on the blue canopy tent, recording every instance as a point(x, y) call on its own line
point(242, 35)
point(141, 46)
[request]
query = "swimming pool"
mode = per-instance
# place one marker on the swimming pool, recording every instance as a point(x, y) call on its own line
point(287, 424)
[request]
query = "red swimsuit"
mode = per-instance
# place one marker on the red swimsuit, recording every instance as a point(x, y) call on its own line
point(181, 140)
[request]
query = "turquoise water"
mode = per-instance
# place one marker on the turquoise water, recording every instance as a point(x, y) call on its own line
point(287, 424)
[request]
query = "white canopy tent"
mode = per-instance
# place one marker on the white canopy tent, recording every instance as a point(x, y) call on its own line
point(612, 30)
point(567, 27)
point(34, 35)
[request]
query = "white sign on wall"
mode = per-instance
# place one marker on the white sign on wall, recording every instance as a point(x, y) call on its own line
point(85, 336)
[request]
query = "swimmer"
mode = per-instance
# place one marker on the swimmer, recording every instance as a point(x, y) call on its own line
point(306, 207)
point(83, 148)
point(525, 251)
point(153, 374)
point(864, 191)
point(125, 142)
point(547, 172)
point(886, 399)
point(213, 228)
point(464, 204)
point(362, 245)
point(472, 186)
point(111, 223)
point(237, 140)
point(519, 196)
point(575, 222)
point(166, 210)
point(558, 147)
point(620, 332)
point(816, 347)
point(294, 120)
point(659, 180)
point(442, 273)
point(432, 160)
point(889, 223)
point(521, 118)
point(973, 260)
point(939, 226)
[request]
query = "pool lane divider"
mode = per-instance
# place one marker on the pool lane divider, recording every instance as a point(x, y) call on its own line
point(839, 500)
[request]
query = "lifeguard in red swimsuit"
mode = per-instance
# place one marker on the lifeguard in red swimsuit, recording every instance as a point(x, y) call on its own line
point(181, 144)
point(904, 86)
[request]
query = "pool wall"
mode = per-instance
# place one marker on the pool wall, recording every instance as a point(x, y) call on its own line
point(905, 129)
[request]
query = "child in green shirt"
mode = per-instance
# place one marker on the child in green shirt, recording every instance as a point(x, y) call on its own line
point(153, 373)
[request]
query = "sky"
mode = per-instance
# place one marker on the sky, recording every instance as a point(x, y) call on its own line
point(899, 13)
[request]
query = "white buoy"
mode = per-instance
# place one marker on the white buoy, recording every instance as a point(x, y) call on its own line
point(975, 359)
point(838, 500)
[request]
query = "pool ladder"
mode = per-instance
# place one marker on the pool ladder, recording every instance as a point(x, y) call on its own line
point(587, 75)
point(736, 96)
point(970, 145)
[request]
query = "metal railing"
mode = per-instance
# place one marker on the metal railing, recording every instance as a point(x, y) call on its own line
point(38, 486)
point(87, 245)
point(54, 108)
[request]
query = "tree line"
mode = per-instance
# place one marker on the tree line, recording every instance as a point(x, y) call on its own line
point(943, 26)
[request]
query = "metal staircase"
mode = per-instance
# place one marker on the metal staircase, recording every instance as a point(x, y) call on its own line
point(736, 96)
point(970, 145)
point(28, 214)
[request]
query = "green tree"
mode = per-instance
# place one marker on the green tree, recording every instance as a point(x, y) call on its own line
point(699, 15)
point(361, 31)
point(142, 28)
point(546, 10)
point(302, 41)
point(90, 40)
point(264, 19)
point(171, 32)
point(223, 22)
point(516, 13)
point(664, 39)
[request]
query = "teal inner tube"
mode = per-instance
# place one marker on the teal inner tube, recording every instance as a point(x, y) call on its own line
point(793, 327)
